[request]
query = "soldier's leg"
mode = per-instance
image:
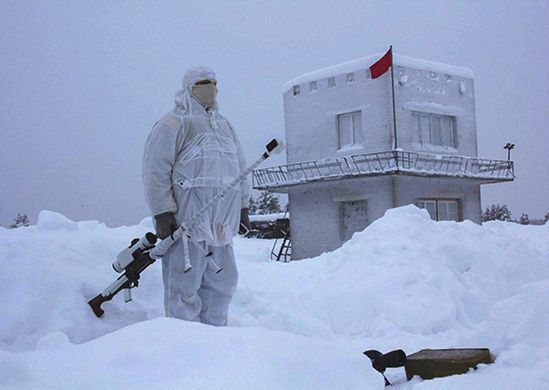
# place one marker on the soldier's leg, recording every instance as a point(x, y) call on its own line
point(181, 299)
point(218, 289)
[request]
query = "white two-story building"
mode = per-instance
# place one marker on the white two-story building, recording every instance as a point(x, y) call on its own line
point(346, 164)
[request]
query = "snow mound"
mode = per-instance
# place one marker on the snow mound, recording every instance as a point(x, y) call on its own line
point(147, 222)
point(50, 220)
point(193, 356)
point(404, 282)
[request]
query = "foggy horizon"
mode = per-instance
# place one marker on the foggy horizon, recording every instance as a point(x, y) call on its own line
point(83, 83)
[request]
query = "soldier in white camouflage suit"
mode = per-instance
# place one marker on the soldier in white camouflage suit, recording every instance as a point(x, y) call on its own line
point(190, 155)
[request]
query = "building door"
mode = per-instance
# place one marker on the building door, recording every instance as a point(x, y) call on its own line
point(354, 218)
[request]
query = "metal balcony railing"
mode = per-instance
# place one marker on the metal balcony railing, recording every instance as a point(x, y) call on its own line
point(382, 163)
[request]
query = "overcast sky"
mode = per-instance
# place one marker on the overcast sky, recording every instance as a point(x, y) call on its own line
point(82, 82)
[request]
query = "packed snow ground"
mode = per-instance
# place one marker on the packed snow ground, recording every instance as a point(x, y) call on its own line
point(405, 282)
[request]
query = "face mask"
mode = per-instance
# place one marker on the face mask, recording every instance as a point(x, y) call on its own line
point(205, 93)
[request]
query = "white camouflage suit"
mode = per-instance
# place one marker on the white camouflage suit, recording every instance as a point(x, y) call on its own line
point(190, 155)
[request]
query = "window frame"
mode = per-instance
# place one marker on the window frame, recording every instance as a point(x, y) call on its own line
point(350, 78)
point(356, 128)
point(436, 135)
point(437, 202)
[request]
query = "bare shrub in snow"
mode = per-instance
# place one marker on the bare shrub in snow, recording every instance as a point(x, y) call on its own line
point(20, 220)
point(253, 206)
point(524, 219)
point(267, 203)
point(496, 212)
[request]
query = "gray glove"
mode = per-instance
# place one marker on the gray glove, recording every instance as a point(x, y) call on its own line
point(165, 225)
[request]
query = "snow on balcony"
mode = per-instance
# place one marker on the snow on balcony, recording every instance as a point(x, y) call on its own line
point(383, 163)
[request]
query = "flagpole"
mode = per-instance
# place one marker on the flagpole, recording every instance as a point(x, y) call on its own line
point(395, 143)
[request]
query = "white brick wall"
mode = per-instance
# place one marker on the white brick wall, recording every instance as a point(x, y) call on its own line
point(315, 221)
point(467, 192)
point(311, 117)
point(425, 91)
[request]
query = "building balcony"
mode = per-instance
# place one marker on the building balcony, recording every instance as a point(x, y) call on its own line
point(395, 162)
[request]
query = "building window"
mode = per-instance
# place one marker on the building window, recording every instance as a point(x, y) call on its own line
point(441, 209)
point(349, 126)
point(296, 90)
point(434, 129)
point(331, 82)
point(313, 86)
point(350, 78)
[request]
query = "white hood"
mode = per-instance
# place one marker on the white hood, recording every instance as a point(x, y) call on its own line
point(183, 97)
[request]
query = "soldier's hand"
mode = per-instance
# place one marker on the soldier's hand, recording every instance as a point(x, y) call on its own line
point(165, 224)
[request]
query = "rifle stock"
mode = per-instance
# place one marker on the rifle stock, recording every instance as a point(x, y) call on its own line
point(129, 279)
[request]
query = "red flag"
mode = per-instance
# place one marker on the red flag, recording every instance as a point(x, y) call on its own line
point(382, 65)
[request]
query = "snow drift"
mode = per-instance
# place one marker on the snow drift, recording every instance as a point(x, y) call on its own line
point(405, 282)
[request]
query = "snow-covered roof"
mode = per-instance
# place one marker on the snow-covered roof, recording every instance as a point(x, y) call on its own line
point(365, 62)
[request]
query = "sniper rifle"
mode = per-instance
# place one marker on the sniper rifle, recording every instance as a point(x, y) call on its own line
point(143, 252)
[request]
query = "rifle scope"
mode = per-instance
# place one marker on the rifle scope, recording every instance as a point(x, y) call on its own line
point(129, 254)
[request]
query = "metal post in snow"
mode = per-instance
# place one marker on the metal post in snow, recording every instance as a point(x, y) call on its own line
point(509, 146)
